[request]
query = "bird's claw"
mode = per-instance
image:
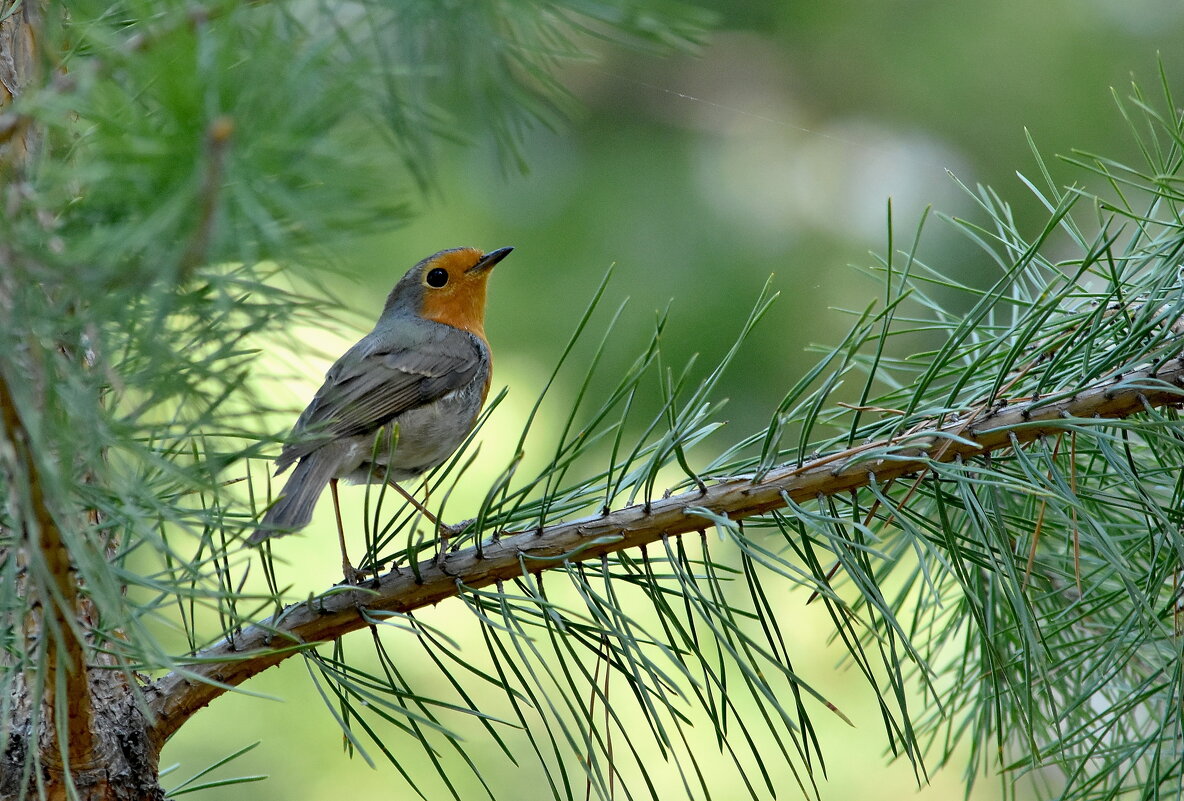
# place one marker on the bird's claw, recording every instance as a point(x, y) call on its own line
point(447, 532)
point(352, 576)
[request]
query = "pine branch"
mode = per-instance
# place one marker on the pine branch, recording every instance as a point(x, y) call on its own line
point(987, 428)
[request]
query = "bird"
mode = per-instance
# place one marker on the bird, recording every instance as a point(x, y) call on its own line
point(419, 380)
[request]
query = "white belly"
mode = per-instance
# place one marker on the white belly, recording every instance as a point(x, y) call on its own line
point(426, 437)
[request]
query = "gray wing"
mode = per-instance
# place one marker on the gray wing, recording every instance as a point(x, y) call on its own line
point(376, 381)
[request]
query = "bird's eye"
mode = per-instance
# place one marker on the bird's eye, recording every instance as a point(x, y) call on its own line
point(437, 277)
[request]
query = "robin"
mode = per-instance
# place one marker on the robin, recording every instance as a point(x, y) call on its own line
point(425, 369)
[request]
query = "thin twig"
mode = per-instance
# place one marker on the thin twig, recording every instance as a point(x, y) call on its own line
point(217, 143)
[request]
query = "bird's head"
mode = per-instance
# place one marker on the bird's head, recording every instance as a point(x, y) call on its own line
point(447, 287)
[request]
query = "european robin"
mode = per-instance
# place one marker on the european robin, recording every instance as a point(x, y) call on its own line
point(425, 368)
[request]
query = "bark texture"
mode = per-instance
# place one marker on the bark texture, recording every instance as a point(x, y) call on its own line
point(120, 765)
point(18, 67)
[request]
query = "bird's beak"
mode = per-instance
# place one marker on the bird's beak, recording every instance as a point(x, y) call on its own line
point(489, 259)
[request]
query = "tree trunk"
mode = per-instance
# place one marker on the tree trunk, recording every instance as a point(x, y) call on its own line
point(18, 66)
point(121, 763)
point(71, 726)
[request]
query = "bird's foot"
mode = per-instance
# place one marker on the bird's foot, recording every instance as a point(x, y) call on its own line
point(447, 532)
point(352, 576)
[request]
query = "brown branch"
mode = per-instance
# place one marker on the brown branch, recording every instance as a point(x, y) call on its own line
point(175, 697)
point(64, 647)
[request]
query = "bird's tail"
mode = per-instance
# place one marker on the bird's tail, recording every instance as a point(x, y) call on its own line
point(294, 508)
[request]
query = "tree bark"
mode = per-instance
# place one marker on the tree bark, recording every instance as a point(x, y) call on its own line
point(121, 764)
point(19, 39)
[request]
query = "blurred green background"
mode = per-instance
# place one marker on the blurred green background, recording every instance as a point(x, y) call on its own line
point(774, 150)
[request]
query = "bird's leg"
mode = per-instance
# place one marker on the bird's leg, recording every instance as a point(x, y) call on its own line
point(422, 509)
point(352, 574)
point(444, 530)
